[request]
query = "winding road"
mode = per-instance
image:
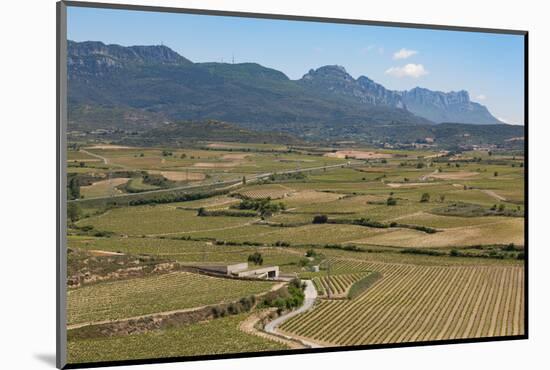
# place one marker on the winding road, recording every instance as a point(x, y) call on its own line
point(309, 300)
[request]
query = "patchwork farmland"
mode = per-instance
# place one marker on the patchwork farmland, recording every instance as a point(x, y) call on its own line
point(400, 246)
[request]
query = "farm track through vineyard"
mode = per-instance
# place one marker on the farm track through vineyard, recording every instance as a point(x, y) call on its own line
point(419, 303)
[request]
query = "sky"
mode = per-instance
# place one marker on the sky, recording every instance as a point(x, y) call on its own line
point(489, 66)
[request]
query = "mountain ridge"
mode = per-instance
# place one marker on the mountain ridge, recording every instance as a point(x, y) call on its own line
point(160, 81)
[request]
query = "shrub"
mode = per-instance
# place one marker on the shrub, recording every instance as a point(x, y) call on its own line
point(279, 243)
point(303, 262)
point(425, 198)
point(510, 248)
point(233, 309)
point(391, 201)
point(427, 252)
point(320, 219)
point(454, 253)
point(219, 311)
point(311, 253)
point(521, 256)
point(73, 212)
point(256, 258)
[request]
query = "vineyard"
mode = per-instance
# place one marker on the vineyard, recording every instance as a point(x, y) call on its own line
point(443, 260)
point(338, 285)
point(420, 303)
point(141, 296)
point(208, 337)
point(267, 191)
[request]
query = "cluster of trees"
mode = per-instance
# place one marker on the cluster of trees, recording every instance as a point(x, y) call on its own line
point(263, 206)
point(286, 298)
point(157, 180)
point(73, 212)
point(73, 188)
point(380, 225)
point(256, 258)
point(287, 176)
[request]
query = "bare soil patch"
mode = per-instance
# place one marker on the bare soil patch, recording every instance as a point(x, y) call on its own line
point(96, 252)
point(109, 146)
point(235, 156)
point(406, 184)
point(508, 230)
point(314, 196)
point(215, 164)
point(84, 160)
point(453, 175)
point(357, 154)
point(103, 186)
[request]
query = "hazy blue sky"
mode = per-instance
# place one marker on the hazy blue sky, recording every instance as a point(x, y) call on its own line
point(488, 66)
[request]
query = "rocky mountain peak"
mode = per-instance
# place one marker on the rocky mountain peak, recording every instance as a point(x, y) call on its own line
point(327, 93)
point(97, 58)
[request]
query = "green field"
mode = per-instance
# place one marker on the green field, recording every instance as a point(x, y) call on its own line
point(141, 296)
point(211, 337)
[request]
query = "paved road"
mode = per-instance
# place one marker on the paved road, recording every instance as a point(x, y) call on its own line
point(309, 301)
point(230, 183)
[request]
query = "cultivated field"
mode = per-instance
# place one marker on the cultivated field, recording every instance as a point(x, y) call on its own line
point(161, 293)
point(413, 245)
point(418, 303)
point(336, 285)
point(209, 337)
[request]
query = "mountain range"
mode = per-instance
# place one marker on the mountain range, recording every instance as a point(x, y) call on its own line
point(142, 87)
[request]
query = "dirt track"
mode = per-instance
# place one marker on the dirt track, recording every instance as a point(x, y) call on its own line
point(249, 327)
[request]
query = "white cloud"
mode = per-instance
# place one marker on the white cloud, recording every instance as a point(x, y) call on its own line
point(404, 53)
point(503, 120)
point(481, 97)
point(408, 70)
